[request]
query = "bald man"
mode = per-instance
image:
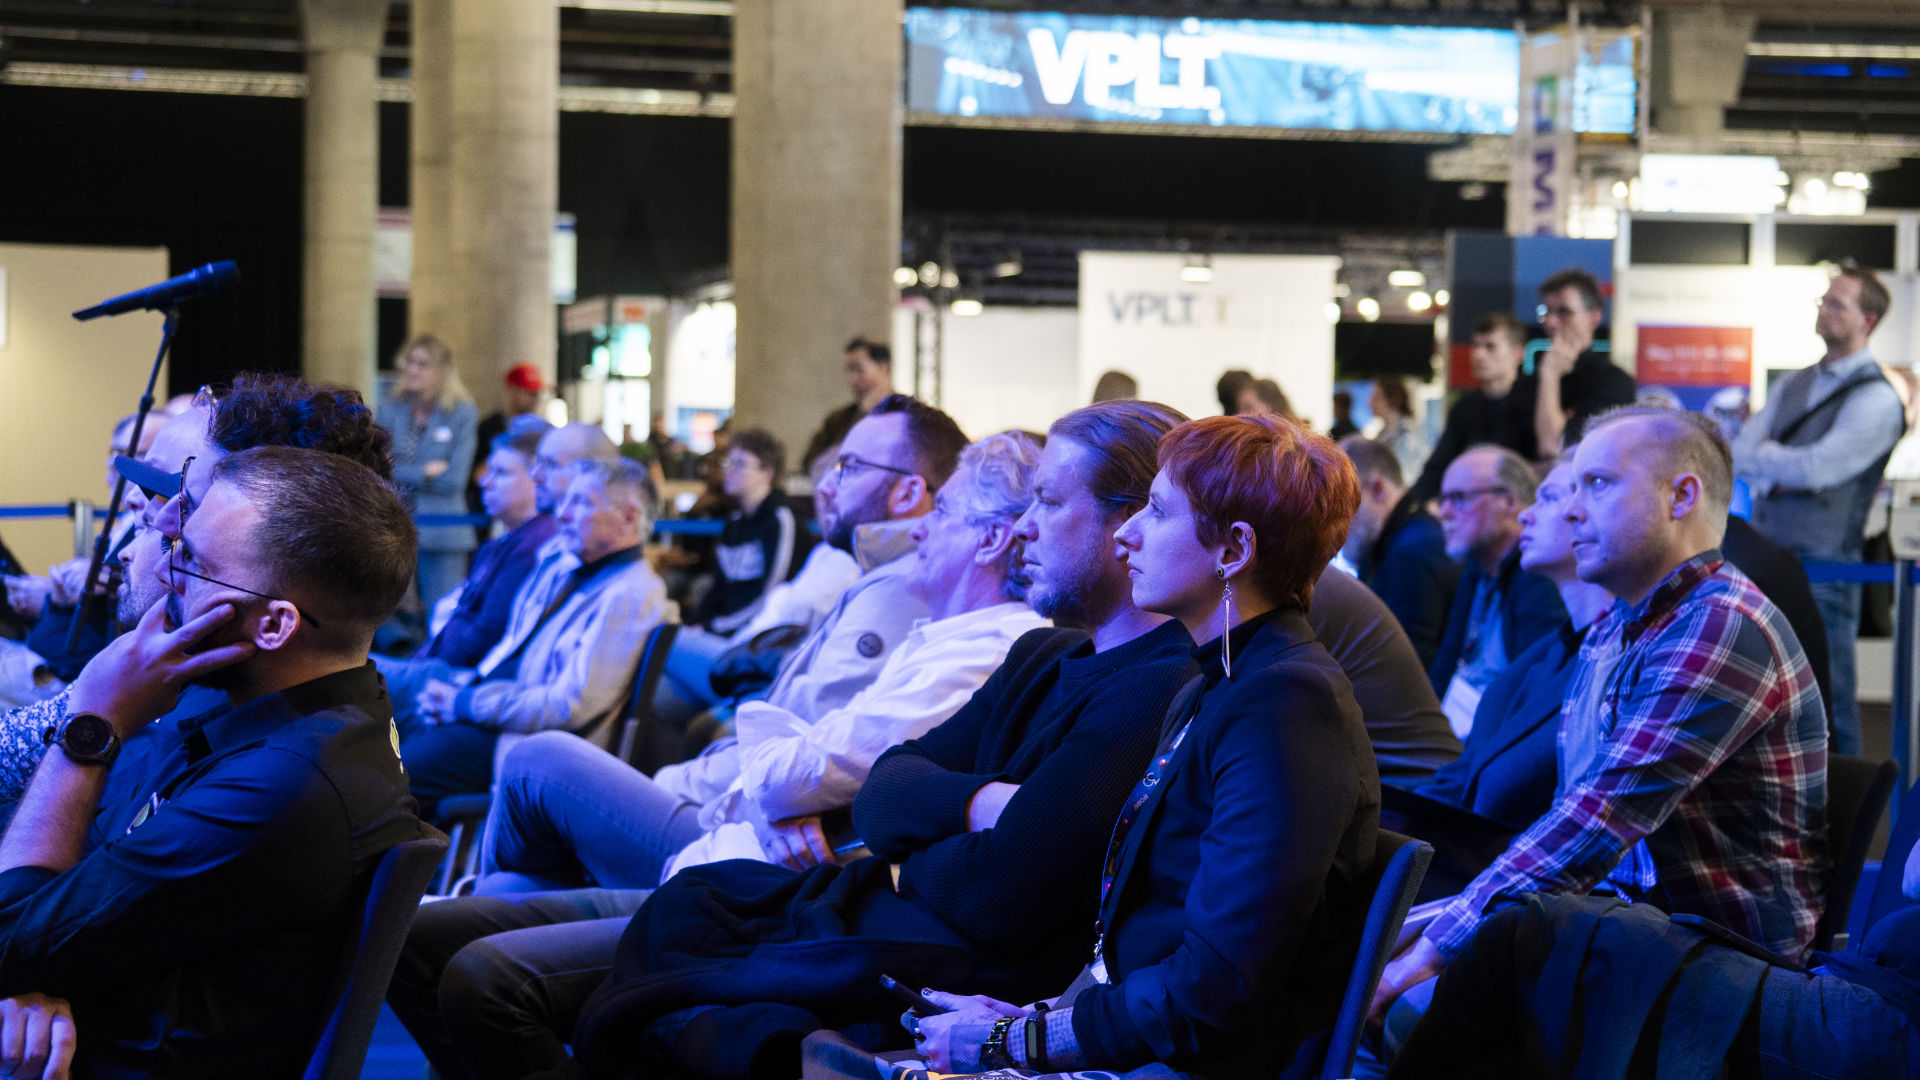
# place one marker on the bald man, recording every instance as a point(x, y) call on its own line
point(1693, 745)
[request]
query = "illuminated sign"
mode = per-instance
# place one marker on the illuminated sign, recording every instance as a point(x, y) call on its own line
point(1238, 73)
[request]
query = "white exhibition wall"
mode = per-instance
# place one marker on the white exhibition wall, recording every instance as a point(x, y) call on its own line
point(1007, 367)
point(1263, 313)
point(67, 383)
point(1778, 303)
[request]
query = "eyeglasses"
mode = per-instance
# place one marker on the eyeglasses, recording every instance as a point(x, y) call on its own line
point(849, 463)
point(1457, 499)
point(175, 571)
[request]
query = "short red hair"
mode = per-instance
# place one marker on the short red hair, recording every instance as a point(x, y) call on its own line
point(1295, 488)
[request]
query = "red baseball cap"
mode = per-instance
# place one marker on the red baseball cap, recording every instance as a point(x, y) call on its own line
point(526, 377)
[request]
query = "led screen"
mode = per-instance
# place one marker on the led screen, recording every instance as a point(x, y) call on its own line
point(1236, 73)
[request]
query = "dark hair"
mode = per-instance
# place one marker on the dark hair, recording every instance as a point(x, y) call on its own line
point(1122, 439)
point(1294, 487)
point(1874, 299)
point(1502, 322)
point(1371, 459)
point(1115, 386)
point(284, 410)
point(935, 439)
point(876, 351)
point(1229, 387)
point(1342, 401)
point(1394, 391)
point(1690, 442)
point(765, 449)
point(333, 533)
point(1576, 278)
point(1275, 398)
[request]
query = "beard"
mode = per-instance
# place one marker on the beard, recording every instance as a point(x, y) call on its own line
point(839, 531)
point(1082, 593)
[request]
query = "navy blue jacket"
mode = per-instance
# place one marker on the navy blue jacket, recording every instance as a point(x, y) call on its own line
point(1239, 894)
point(1511, 764)
point(500, 567)
point(1409, 571)
point(1530, 608)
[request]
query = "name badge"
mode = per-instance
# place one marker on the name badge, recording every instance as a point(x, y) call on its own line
point(443, 434)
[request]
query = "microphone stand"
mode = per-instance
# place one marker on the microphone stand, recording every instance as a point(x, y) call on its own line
point(80, 613)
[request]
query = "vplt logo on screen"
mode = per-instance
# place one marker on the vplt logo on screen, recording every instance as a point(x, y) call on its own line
point(1107, 59)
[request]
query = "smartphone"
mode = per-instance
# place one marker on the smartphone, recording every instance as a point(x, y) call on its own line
point(916, 1004)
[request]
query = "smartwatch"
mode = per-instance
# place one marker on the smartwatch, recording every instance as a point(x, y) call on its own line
point(86, 738)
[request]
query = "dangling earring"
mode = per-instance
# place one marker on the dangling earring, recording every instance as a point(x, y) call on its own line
point(1226, 619)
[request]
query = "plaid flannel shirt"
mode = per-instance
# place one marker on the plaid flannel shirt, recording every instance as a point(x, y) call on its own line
point(1707, 794)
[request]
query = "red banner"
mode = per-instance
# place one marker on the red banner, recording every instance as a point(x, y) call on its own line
point(1694, 356)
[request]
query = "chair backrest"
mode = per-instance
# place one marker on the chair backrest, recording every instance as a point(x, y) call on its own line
point(1399, 862)
point(1857, 793)
point(638, 717)
point(1887, 897)
point(393, 895)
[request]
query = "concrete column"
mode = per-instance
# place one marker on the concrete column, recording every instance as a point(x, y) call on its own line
point(342, 39)
point(430, 187)
point(1699, 58)
point(505, 188)
point(816, 200)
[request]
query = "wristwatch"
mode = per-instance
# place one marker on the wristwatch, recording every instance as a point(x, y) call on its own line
point(994, 1054)
point(86, 738)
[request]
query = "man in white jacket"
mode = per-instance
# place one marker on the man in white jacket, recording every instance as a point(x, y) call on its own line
point(569, 815)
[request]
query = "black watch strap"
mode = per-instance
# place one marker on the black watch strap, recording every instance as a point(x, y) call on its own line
point(87, 738)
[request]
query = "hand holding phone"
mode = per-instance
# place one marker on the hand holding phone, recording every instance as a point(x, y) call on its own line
point(917, 1004)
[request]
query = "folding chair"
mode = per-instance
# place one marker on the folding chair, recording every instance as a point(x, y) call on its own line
point(373, 948)
point(1399, 862)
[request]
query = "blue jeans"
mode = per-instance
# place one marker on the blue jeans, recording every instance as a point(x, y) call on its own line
point(568, 814)
point(690, 666)
point(1839, 603)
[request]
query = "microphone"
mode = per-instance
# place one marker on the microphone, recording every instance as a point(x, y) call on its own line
point(212, 278)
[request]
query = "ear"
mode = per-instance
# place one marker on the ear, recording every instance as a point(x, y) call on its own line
point(1236, 550)
point(996, 542)
point(1687, 494)
point(909, 493)
point(275, 628)
point(1377, 488)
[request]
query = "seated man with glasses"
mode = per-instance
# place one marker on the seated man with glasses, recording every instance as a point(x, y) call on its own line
point(256, 410)
point(569, 666)
point(1498, 610)
point(190, 902)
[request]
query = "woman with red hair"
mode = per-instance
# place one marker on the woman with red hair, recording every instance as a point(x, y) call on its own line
point(1232, 893)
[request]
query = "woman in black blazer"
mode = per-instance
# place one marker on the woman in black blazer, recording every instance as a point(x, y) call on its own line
point(1232, 893)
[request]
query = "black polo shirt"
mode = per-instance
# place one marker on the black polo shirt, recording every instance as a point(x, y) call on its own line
point(201, 938)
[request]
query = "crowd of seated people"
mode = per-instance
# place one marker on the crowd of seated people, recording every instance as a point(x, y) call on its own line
point(1090, 747)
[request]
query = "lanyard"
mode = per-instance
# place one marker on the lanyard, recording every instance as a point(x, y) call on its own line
point(1124, 824)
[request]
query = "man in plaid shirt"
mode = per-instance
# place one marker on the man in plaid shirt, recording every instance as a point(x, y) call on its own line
point(1693, 750)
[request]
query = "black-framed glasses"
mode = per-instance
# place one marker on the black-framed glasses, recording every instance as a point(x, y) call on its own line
point(1457, 499)
point(853, 463)
point(175, 571)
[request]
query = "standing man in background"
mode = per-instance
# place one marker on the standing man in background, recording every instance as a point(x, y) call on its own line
point(1814, 456)
point(869, 367)
point(1500, 411)
point(1572, 381)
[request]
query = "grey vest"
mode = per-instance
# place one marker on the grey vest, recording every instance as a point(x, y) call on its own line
point(1827, 523)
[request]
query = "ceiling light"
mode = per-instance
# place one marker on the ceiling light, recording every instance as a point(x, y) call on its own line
point(905, 276)
point(1369, 308)
point(1198, 269)
point(1419, 301)
point(1343, 291)
point(950, 279)
point(1442, 298)
point(1620, 189)
point(929, 274)
point(1008, 267)
point(967, 308)
point(1333, 311)
point(1406, 279)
